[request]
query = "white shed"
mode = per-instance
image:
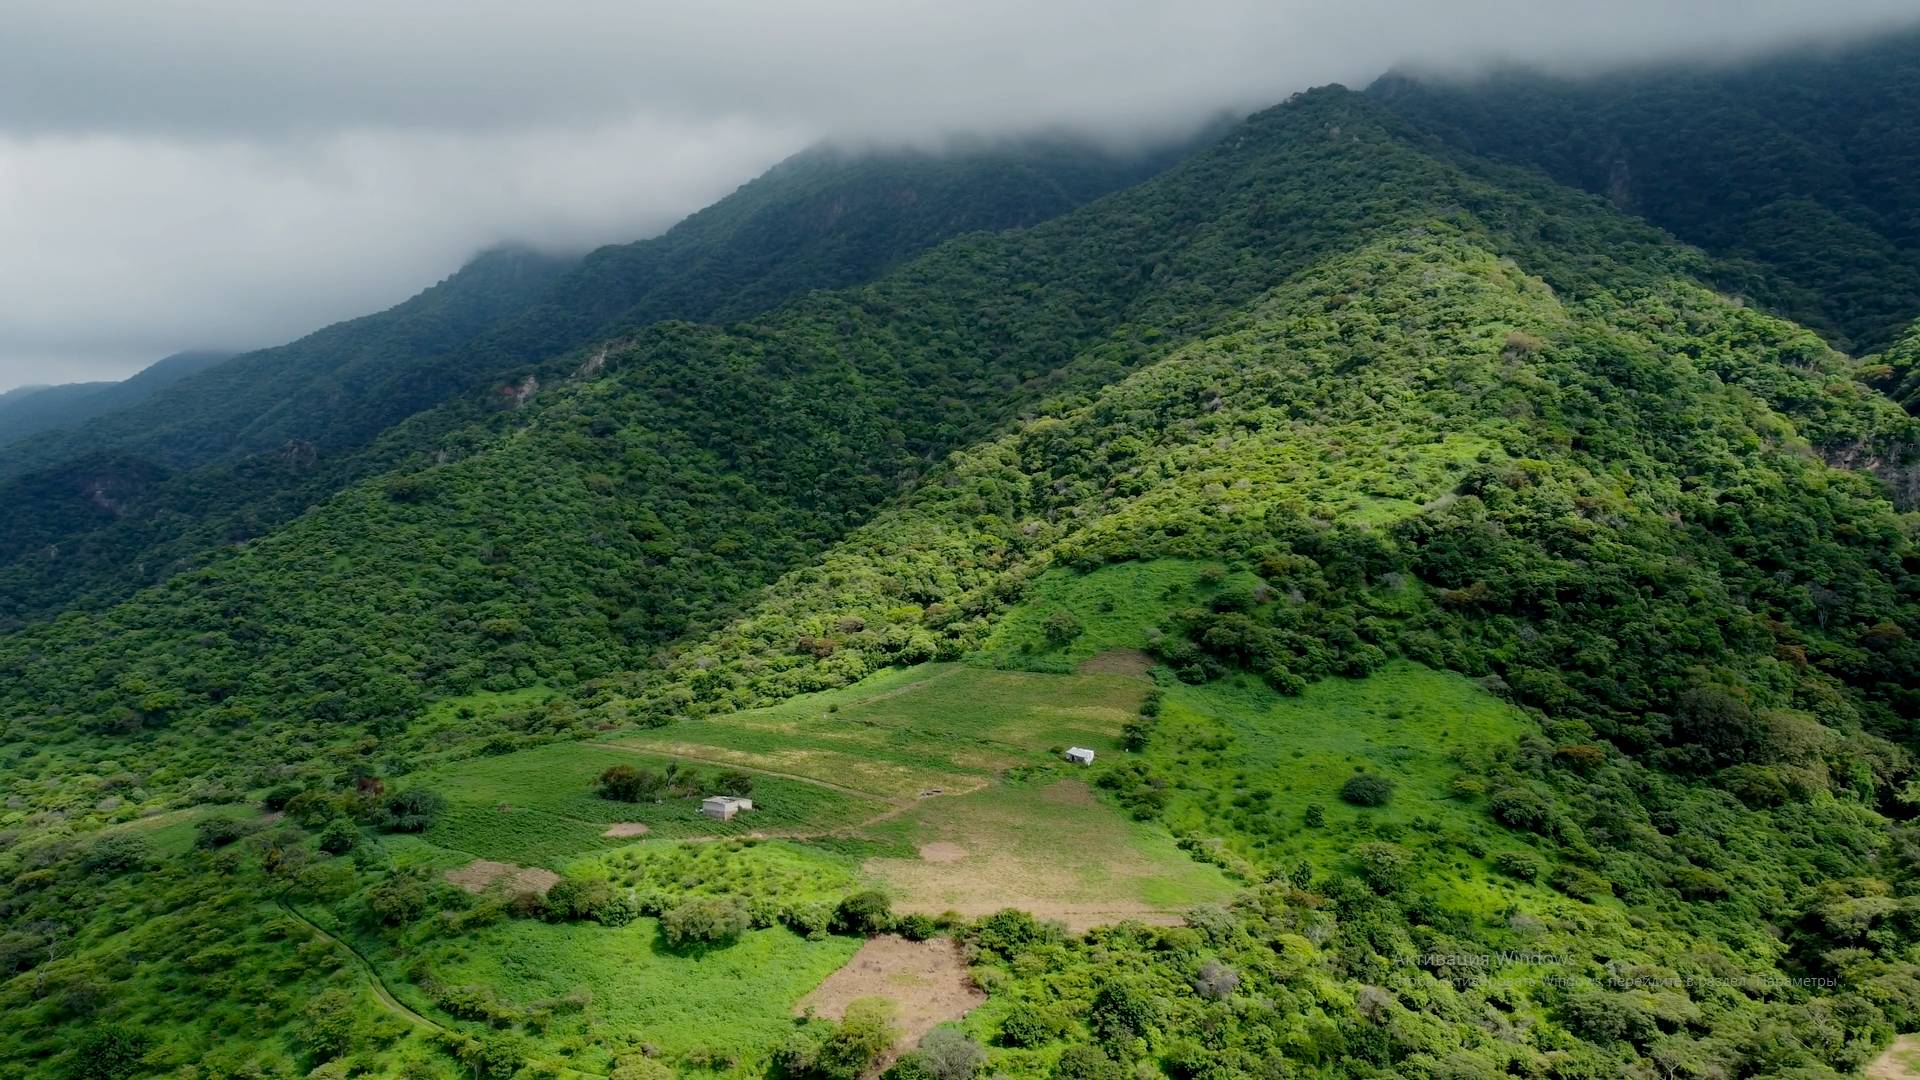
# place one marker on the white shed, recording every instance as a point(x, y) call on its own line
point(1079, 755)
point(724, 807)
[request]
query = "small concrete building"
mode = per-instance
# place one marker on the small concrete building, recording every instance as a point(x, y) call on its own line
point(1079, 755)
point(724, 807)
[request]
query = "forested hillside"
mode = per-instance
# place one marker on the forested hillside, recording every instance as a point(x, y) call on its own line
point(30, 410)
point(1498, 637)
point(229, 455)
point(1801, 165)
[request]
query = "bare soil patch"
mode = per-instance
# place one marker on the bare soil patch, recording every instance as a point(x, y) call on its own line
point(1900, 1062)
point(1117, 662)
point(941, 851)
point(620, 830)
point(1055, 851)
point(927, 982)
point(482, 874)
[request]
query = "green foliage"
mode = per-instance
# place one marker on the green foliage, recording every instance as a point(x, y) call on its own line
point(1367, 789)
point(107, 1053)
point(866, 912)
point(413, 810)
point(704, 920)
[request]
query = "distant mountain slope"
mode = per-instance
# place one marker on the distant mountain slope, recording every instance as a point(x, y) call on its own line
point(1401, 412)
point(31, 410)
point(687, 465)
point(261, 438)
point(1802, 165)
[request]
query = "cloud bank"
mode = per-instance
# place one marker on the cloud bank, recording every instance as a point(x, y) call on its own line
point(232, 174)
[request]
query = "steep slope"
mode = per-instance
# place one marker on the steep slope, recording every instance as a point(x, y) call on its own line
point(1407, 465)
point(1820, 201)
point(1605, 511)
point(49, 407)
point(269, 434)
point(685, 466)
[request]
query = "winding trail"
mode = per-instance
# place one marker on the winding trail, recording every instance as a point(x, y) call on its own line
point(385, 996)
point(381, 992)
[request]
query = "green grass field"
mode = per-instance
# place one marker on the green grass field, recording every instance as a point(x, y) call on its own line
point(1257, 760)
point(734, 1002)
point(903, 732)
point(1120, 606)
point(538, 807)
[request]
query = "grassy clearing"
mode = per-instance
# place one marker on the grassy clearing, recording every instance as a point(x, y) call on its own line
point(900, 733)
point(538, 807)
point(1121, 606)
point(1047, 846)
point(1252, 762)
point(735, 1002)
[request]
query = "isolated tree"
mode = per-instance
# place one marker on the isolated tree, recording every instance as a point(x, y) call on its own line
point(1367, 789)
point(947, 1053)
point(414, 810)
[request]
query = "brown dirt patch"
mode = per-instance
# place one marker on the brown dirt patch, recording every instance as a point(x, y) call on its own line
point(482, 874)
point(1055, 851)
point(1900, 1062)
point(927, 982)
point(1117, 662)
point(943, 852)
point(621, 830)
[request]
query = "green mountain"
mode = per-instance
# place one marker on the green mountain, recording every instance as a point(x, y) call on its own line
point(1819, 197)
point(31, 409)
point(253, 443)
point(1496, 640)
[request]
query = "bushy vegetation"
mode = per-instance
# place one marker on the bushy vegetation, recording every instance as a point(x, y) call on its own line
point(1523, 646)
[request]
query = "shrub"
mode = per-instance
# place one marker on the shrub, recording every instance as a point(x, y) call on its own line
point(1316, 815)
point(1061, 628)
point(413, 810)
point(1083, 1062)
point(947, 1053)
point(1028, 1026)
point(863, 913)
point(107, 1053)
point(115, 853)
point(639, 1067)
point(326, 1024)
point(704, 920)
point(845, 1052)
point(1007, 932)
point(338, 837)
point(1518, 808)
point(917, 927)
point(810, 919)
point(1215, 981)
point(733, 782)
point(624, 783)
point(1367, 789)
point(398, 898)
point(1384, 866)
point(1524, 865)
point(574, 898)
point(217, 832)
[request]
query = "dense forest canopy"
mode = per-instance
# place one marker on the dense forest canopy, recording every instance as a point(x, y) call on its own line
point(1498, 621)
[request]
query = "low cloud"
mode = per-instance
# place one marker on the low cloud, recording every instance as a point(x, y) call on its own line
point(227, 173)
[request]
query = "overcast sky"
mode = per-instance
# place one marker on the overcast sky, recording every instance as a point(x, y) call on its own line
point(231, 173)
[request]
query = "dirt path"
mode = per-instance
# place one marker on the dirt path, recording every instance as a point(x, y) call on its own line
point(380, 992)
point(386, 998)
point(1900, 1062)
